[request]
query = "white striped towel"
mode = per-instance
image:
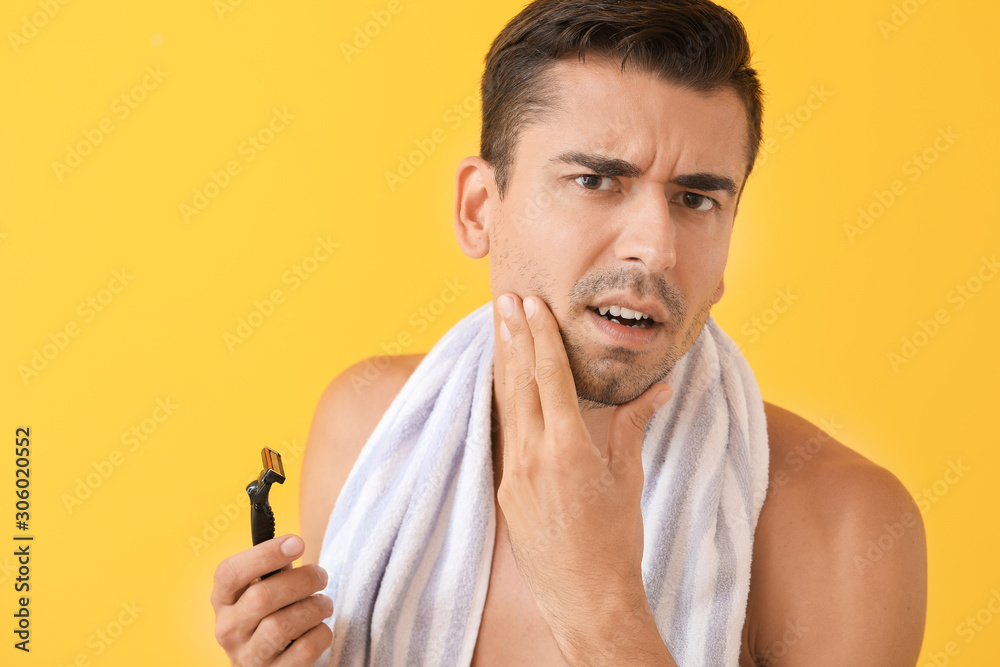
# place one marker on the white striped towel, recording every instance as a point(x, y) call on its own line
point(409, 544)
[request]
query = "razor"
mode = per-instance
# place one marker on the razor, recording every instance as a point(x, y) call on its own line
point(261, 516)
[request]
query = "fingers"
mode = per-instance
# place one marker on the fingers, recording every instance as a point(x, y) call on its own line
point(628, 423)
point(307, 648)
point(271, 614)
point(523, 411)
point(301, 623)
point(240, 570)
point(553, 377)
point(274, 593)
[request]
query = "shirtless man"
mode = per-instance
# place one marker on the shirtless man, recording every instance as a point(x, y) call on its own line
point(624, 184)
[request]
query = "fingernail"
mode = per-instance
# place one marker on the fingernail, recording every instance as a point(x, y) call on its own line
point(504, 332)
point(292, 545)
point(328, 602)
point(506, 306)
point(323, 575)
point(529, 307)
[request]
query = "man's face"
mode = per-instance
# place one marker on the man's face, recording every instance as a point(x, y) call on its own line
point(624, 194)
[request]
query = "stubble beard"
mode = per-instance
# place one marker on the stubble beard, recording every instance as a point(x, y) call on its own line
point(618, 375)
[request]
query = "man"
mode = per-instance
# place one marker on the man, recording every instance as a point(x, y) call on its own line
point(617, 138)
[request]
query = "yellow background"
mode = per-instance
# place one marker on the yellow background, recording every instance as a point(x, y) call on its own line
point(134, 538)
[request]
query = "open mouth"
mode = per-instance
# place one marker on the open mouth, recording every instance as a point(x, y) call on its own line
point(625, 317)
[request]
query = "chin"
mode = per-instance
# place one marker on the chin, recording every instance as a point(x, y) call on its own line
point(614, 378)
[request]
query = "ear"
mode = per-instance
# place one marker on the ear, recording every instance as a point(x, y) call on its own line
point(474, 186)
point(718, 292)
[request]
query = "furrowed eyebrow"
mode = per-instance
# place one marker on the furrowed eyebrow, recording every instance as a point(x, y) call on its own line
point(707, 182)
point(609, 166)
point(600, 164)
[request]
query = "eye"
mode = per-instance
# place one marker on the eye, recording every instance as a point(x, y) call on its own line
point(593, 182)
point(697, 202)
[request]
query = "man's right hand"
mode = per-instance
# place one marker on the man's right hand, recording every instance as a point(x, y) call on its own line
point(256, 622)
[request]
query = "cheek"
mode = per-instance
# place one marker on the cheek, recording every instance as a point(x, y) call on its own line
point(521, 260)
point(559, 231)
point(701, 264)
point(503, 262)
point(570, 248)
point(708, 243)
point(579, 230)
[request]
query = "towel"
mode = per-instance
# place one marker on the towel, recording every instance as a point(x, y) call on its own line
point(409, 543)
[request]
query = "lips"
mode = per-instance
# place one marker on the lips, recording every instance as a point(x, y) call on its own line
point(651, 308)
point(623, 334)
point(625, 317)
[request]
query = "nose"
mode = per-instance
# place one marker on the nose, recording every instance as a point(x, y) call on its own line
point(647, 234)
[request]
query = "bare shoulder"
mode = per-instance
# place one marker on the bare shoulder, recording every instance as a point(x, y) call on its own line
point(839, 573)
point(346, 415)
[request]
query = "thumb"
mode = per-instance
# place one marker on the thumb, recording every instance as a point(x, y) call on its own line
point(628, 421)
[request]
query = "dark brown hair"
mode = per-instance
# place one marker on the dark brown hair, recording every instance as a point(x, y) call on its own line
point(692, 43)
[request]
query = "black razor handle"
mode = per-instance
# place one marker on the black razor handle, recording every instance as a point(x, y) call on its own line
point(261, 516)
point(261, 523)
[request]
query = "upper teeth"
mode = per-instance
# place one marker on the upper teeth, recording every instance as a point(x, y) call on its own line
point(619, 311)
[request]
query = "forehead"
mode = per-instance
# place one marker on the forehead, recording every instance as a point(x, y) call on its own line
point(633, 115)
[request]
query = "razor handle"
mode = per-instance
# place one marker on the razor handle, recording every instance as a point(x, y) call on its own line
point(261, 516)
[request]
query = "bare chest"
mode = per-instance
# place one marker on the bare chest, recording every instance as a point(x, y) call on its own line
point(512, 631)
